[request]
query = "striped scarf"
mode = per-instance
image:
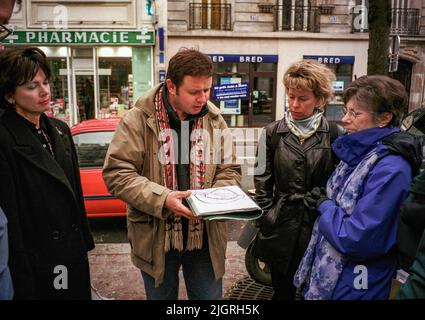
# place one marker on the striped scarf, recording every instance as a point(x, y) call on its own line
point(173, 225)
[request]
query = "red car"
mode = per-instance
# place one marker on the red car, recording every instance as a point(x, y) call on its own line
point(92, 138)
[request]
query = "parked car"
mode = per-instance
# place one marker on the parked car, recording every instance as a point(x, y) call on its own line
point(92, 138)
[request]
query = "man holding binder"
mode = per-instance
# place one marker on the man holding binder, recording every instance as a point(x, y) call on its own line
point(162, 148)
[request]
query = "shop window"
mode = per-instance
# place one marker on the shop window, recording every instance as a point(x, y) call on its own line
point(262, 101)
point(261, 81)
point(115, 86)
point(224, 67)
point(344, 73)
point(235, 111)
point(264, 66)
point(59, 107)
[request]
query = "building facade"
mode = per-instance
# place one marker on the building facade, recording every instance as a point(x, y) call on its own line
point(105, 54)
point(253, 42)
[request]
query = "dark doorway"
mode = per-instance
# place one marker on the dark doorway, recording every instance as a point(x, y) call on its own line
point(85, 97)
point(404, 75)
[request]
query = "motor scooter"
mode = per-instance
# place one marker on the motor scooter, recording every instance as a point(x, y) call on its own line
point(257, 269)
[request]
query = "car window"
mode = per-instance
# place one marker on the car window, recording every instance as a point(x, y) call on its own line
point(91, 148)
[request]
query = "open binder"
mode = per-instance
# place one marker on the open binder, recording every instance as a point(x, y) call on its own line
point(229, 202)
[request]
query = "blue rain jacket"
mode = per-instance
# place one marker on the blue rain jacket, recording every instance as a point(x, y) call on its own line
point(368, 236)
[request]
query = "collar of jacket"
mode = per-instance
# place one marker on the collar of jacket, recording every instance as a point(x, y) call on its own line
point(29, 148)
point(146, 103)
point(351, 148)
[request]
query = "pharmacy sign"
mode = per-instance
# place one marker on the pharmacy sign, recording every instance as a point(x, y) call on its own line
point(43, 37)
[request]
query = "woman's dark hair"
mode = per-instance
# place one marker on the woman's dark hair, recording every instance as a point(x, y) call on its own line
point(188, 62)
point(379, 94)
point(17, 67)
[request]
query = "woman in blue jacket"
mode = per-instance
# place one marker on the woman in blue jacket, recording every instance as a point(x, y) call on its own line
point(352, 252)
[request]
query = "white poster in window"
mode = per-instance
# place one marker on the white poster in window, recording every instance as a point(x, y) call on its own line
point(232, 106)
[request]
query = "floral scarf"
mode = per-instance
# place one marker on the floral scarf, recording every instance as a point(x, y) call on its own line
point(173, 225)
point(322, 264)
point(306, 130)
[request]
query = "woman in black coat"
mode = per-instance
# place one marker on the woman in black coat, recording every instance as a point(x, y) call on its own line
point(40, 190)
point(411, 241)
point(298, 158)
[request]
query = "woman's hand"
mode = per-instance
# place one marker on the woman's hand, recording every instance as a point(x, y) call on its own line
point(315, 197)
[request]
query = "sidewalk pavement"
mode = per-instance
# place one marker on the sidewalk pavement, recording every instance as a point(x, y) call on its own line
point(113, 276)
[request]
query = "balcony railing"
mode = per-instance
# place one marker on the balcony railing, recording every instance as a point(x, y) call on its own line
point(404, 21)
point(297, 18)
point(210, 16)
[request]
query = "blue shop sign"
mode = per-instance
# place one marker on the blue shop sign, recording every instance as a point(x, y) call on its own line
point(231, 91)
point(247, 58)
point(332, 59)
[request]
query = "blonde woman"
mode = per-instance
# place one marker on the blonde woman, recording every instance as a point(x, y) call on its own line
point(298, 158)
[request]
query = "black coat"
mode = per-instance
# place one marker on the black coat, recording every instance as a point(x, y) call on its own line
point(43, 202)
point(412, 223)
point(296, 169)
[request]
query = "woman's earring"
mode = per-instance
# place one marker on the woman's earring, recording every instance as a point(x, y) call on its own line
point(12, 101)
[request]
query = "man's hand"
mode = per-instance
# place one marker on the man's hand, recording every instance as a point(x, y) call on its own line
point(173, 202)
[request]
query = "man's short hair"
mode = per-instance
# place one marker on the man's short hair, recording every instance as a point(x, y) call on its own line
point(189, 62)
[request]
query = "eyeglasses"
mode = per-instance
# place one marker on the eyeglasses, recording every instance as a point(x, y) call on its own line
point(4, 32)
point(351, 113)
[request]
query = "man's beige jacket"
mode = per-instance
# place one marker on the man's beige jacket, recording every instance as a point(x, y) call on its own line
point(133, 173)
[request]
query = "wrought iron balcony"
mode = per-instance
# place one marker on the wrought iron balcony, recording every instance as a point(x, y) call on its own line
point(403, 21)
point(297, 18)
point(210, 16)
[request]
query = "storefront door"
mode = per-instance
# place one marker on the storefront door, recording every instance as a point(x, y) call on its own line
point(85, 96)
point(84, 82)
